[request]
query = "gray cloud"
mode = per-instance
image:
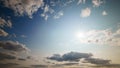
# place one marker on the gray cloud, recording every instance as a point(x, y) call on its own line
point(39, 66)
point(4, 56)
point(108, 66)
point(8, 65)
point(97, 61)
point(13, 46)
point(22, 59)
point(69, 64)
point(3, 33)
point(72, 56)
point(6, 23)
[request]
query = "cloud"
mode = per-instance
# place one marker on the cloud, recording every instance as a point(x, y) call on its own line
point(24, 7)
point(81, 1)
point(100, 37)
point(104, 13)
point(8, 65)
point(22, 59)
point(69, 64)
point(58, 15)
point(108, 66)
point(4, 56)
point(85, 12)
point(46, 11)
point(72, 56)
point(97, 61)
point(39, 66)
point(3, 33)
point(6, 23)
point(97, 3)
point(13, 46)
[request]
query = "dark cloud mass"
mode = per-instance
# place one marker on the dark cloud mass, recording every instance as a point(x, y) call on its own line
point(4, 56)
point(8, 65)
point(72, 56)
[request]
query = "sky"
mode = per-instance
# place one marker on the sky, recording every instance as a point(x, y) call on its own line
point(59, 34)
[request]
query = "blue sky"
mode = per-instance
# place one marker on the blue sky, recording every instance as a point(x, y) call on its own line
point(54, 33)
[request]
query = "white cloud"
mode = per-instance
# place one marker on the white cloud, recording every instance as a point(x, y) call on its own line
point(97, 3)
point(46, 12)
point(104, 13)
point(85, 12)
point(58, 15)
point(24, 7)
point(100, 37)
point(81, 1)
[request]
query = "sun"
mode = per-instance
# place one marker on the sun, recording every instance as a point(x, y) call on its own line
point(80, 35)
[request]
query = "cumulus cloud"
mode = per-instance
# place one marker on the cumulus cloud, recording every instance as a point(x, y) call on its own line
point(85, 12)
point(104, 13)
point(13, 46)
point(3, 33)
point(72, 56)
point(97, 61)
point(24, 7)
point(80, 60)
point(97, 3)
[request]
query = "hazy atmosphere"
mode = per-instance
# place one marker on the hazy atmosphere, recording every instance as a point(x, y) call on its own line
point(59, 33)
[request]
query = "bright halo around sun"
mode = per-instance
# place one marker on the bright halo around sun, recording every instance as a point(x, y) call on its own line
point(80, 35)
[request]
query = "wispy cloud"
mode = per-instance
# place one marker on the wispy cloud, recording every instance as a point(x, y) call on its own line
point(81, 1)
point(58, 15)
point(85, 12)
point(97, 3)
point(100, 37)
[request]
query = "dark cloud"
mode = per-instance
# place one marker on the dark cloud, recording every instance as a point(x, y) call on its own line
point(4, 56)
point(97, 61)
point(13, 46)
point(108, 66)
point(69, 64)
point(39, 66)
point(72, 56)
point(8, 65)
point(22, 59)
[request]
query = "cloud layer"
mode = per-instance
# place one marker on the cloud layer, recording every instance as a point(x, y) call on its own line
point(72, 56)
